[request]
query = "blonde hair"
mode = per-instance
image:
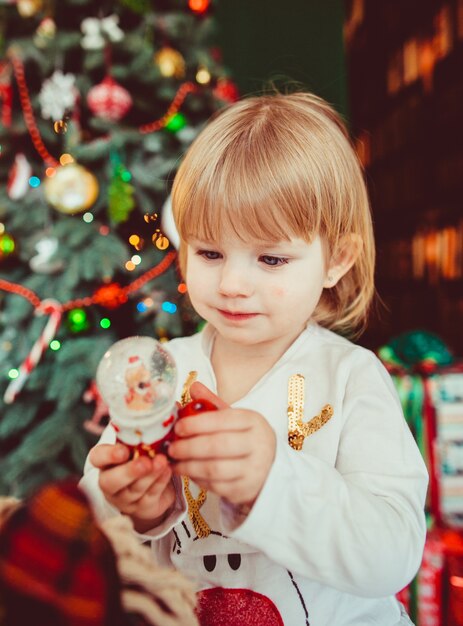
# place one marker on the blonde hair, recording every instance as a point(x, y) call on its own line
point(275, 166)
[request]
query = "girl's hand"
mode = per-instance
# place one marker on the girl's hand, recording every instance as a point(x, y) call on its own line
point(141, 488)
point(228, 451)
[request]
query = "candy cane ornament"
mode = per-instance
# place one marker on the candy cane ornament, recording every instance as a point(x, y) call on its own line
point(47, 307)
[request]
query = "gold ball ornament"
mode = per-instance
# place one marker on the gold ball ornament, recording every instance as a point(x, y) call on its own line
point(170, 62)
point(28, 8)
point(72, 189)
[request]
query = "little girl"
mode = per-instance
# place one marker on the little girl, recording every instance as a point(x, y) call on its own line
point(300, 500)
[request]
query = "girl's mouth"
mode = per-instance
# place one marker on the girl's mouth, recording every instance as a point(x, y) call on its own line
point(237, 316)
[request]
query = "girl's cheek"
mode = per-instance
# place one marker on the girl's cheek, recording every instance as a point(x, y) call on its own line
point(278, 292)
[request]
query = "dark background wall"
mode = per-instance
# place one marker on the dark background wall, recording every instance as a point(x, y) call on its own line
point(298, 40)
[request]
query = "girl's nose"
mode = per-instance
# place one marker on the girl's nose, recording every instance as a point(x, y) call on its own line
point(235, 281)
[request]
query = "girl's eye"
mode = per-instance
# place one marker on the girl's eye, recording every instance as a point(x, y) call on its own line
point(209, 254)
point(273, 261)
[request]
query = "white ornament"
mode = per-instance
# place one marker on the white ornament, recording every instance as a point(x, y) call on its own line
point(46, 248)
point(187, 134)
point(18, 178)
point(97, 31)
point(58, 94)
point(168, 225)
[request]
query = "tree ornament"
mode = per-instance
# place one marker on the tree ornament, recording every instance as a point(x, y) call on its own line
point(121, 201)
point(109, 100)
point(203, 76)
point(77, 320)
point(45, 32)
point(110, 296)
point(60, 127)
point(72, 189)
point(98, 31)
point(187, 134)
point(170, 62)
point(55, 311)
point(101, 411)
point(199, 6)
point(176, 123)
point(42, 262)
point(29, 8)
point(18, 177)
point(161, 242)
point(7, 245)
point(58, 95)
point(6, 94)
point(226, 90)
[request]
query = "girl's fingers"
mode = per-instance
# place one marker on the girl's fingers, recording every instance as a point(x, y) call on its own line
point(198, 391)
point(211, 422)
point(159, 467)
point(117, 478)
point(210, 471)
point(217, 445)
point(137, 489)
point(107, 454)
point(161, 483)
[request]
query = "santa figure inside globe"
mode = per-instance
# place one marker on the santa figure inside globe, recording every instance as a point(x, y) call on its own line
point(137, 380)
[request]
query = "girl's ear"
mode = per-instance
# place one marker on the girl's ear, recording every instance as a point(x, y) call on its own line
point(343, 258)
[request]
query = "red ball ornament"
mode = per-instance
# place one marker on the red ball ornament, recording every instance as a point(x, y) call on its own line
point(199, 6)
point(109, 100)
point(110, 296)
point(195, 407)
point(226, 90)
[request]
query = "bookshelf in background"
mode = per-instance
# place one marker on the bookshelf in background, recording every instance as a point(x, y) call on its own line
point(405, 62)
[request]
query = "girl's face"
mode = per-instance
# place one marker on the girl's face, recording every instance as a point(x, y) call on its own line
point(259, 293)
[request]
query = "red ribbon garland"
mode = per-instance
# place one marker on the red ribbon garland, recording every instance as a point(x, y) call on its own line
point(137, 284)
point(29, 117)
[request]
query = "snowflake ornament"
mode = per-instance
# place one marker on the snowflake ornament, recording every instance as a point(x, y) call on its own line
point(58, 94)
point(97, 31)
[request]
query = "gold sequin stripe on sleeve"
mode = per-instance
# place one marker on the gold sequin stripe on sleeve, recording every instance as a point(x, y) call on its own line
point(297, 429)
point(200, 525)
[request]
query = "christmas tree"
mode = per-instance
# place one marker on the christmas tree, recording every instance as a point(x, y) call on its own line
point(98, 102)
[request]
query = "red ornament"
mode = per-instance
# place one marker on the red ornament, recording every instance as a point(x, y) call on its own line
point(196, 406)
point(6, 94)
point(226, 90)
point(110, 296)
point(109, 100)
point(199, 6)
